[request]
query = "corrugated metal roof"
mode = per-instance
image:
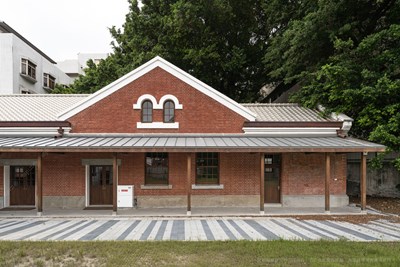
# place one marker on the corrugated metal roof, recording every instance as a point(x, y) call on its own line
point(39, 107)
point(285, 112)
point(184, 142)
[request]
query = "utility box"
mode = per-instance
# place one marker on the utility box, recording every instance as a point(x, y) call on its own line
point(125, 196)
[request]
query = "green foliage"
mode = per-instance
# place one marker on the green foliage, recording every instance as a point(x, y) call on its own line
point(61, 89)
point(307, 42)
point(216, 41)
point(362, 81)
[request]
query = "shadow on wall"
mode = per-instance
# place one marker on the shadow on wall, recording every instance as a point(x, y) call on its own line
point(383, 182)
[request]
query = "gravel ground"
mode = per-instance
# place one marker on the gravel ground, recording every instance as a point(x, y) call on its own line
point(383, 204)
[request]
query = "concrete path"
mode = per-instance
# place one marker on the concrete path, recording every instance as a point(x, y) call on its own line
point(195, 229)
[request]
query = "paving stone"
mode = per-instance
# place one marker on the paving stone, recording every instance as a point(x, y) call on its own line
point(192, 229)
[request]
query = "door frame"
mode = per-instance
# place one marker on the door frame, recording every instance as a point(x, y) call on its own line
point(87, 162)
point(6, 182)
point(280, 179)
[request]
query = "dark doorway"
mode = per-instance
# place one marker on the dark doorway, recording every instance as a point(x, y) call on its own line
point(272, 169)
point(22, 185)
point(101, 185)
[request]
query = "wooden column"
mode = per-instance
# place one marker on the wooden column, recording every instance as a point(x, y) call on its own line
point(363, 180)
point(115, 182)
point(39, 184)
point(327, 181)
point(262, 174)
point(189, 184)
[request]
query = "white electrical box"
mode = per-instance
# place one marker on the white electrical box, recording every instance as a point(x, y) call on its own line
point(125, 196)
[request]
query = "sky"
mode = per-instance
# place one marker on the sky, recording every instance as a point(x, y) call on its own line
point(64, 28)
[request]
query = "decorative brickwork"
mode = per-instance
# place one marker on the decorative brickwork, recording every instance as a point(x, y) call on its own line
point(115, 113)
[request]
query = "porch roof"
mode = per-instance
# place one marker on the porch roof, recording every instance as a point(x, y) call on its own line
point(185, 143)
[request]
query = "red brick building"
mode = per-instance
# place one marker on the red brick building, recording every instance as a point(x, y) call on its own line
point(176, 141)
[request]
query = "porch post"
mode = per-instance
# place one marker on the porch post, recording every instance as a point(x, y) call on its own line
point(262, 174)
point(115, 183)
point(363, 180)
point(189, 196)
point(39, 189)
point(327, 181)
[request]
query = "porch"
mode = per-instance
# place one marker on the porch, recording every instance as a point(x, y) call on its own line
point(256, 148)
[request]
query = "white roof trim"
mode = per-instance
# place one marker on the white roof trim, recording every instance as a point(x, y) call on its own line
point(170, 68)
point(292, 131)
point(32, 131)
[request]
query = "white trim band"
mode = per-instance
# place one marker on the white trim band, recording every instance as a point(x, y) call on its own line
point(207, 186)
point(157, 125)
point(32, 131)
point(292, 131)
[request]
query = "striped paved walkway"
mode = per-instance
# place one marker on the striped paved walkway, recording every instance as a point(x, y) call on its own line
point(195, 229)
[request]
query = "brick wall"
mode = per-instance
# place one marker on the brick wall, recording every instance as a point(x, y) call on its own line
point(304, 174)
point(64, 174)
point(238, 173)
point(115, 113)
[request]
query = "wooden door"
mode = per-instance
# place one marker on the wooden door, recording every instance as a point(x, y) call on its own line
point(101, 185)
point(272, 178)
point(22, 185)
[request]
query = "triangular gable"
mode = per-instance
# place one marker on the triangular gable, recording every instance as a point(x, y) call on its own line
point(168, 67)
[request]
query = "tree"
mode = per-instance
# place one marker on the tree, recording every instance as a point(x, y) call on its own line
point(216, 41)
point(307, 42)
point(362, 81)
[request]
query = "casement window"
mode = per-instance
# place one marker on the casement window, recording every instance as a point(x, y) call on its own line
point(207, 168)
point(147, 111)
point(28, 68)
point(169, 111)
point(49, 81)
point(156, 169)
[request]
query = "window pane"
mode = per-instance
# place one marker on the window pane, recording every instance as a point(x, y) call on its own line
point(169, 111)
point(147, 111)
point(207, 168)
point(156, 168)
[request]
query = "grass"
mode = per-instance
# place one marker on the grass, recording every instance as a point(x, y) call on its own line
point(175, 253)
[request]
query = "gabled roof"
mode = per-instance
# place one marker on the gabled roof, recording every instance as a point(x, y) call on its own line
point(285, 112)
point(38, 107)
point(147, 67)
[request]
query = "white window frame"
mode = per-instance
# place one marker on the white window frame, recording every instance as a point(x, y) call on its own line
point(47, 78)
point(25, 69)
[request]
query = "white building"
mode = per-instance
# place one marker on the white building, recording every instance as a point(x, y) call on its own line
point(24, 68)
point(75, 67)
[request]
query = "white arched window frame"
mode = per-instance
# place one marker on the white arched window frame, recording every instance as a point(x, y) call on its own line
point(173, 99)
point(159, 105)
point(143, 98)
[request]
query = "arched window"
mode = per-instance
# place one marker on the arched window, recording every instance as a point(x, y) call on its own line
point(169, 111)
point(147, 111)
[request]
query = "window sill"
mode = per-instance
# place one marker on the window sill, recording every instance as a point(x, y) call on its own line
point(143, 186)
point(207, 186)
point(29, 78)
point(157, 125)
